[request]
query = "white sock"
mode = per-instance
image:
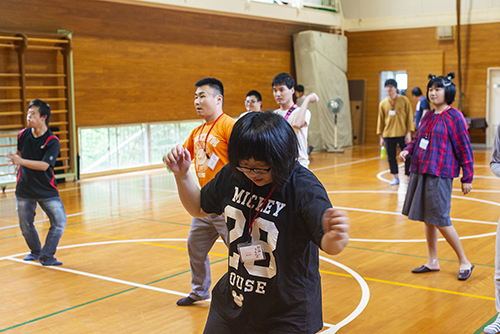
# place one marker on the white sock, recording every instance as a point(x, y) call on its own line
point(494, 327)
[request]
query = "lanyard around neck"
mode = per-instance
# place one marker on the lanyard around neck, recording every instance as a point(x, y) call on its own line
point(391, 103)
point(290, 111)
point(435, 120)
point(259, 209)
point(206, 138)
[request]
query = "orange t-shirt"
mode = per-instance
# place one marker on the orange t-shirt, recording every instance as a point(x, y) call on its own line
point(216, 144)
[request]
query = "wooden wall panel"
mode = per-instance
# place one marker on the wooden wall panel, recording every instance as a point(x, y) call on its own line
point(139, 64)
point(480, 50)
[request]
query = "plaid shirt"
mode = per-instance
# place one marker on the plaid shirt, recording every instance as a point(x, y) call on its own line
point(449, 147)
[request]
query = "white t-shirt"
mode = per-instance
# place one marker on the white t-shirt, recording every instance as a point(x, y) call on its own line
point(301, 134)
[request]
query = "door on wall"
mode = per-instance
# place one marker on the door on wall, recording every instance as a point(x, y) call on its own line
point(357, 98)
point(492, 104)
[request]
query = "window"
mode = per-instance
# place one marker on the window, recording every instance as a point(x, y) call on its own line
point(128, 146)
point(8, 144)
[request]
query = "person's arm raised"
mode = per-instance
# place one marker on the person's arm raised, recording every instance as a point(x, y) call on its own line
point(300, 120)
point(178, 161)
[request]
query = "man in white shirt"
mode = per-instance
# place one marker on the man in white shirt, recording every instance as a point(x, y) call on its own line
point(298, 117)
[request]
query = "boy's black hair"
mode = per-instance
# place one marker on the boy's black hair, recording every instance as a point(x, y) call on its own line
point(256, 94)
point(450, 90)
point(43, 109)
point(299, 89)
point(416, 91)
point(284, 79)
point(264, 136)
point(391, 82)
point(213, 83)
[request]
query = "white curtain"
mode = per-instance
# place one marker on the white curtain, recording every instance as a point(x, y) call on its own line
point(321, 66)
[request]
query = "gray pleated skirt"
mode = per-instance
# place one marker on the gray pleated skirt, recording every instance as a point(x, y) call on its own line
point(428, 199)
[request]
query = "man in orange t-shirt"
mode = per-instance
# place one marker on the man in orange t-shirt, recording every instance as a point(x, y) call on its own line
point(207, 145)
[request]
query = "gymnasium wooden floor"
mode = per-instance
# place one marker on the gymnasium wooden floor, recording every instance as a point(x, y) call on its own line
point(126, 263)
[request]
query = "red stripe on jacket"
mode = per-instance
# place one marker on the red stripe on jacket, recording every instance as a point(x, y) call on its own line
point(49, 139)
point(52, 181)
point(19, 174)
point(20, 133)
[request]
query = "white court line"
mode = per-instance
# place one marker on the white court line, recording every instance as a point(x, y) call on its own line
point(422, 240)
point(486, 177)
point(479, 191)
point(99, 210)
point(104, 278)
point(104, 243)
point(379, 176)
point(365, 290)
point(365, 297)
point(344, 164)
point(399, 214)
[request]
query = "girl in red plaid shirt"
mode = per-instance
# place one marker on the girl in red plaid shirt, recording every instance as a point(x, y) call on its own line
point(440, 148)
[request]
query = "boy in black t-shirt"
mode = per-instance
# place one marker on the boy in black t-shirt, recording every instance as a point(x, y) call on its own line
point(37, 151)
point(278, 214)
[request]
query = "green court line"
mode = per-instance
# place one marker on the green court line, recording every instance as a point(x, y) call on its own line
point(65, 310)
point(12, 236)
point(98, 299)
point(480, 330)
point(413, 255)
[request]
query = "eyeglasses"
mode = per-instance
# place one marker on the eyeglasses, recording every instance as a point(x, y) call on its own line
point(255, 170)
point(251, 101)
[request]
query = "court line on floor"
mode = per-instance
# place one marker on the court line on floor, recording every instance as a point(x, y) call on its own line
point(148, 242)
point(96, 300)
point(113, 280)
point(414, 255)
point(333, 328)
point(8, 220)
point(399, 214)
point(387, 171)
point(101, 277)
point(365, 296)
point(489, 322)
point(414, 286)
point(118, 241)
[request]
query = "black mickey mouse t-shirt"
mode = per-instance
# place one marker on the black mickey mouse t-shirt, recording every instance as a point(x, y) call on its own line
point(281, 292)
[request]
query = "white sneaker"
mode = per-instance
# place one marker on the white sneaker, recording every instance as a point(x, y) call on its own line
point(394, 182)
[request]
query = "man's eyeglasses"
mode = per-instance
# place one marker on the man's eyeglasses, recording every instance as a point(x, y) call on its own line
point(251, 101)
point(255, 170)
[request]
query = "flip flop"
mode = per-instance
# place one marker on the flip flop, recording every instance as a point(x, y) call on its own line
point(423, 269)
point(464, 274)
